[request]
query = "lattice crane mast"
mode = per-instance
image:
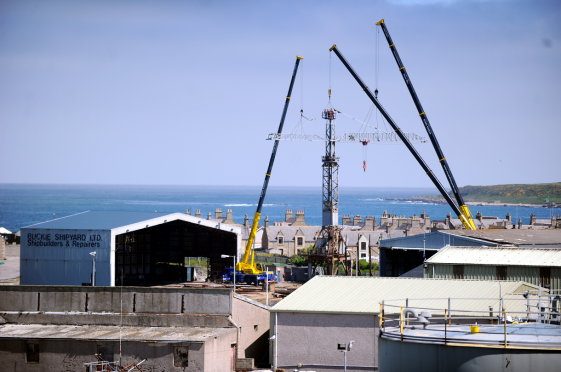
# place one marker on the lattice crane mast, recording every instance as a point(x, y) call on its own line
point(465, 215)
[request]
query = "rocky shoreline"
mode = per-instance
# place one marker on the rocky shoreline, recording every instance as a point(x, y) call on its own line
point(437, 200)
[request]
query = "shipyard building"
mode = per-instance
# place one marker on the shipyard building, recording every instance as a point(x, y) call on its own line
point(130, 248)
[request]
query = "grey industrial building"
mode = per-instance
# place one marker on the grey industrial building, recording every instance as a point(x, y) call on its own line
point(44, 328)
point(308, 325)
point(539, 266)
point(140, 248)
point(400, 255)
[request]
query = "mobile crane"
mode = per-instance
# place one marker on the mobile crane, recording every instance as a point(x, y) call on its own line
point(465, 215)
point(246, 270)
point(398, 131)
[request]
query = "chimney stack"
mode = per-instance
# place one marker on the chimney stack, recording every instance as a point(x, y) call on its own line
point(346, 219)
point(229, 217)
point(479, 216)
point(209, 217)
point(188, 211)
point(508, 217)
point(288, 214)
point(384, 218)
point(299, 219)
point(198, 213)
point(368, 224)
point(375, 224)
point(246, 221)
point(218, 213)
point(266, 222)
point(532, 219)
point(415, 221)
point(357, 220)
point(519, 223)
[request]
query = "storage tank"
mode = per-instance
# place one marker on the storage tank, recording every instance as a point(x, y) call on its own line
point(489, 347)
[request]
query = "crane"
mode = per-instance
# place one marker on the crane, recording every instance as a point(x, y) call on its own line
point(465, 216)
point(405, 140)
point(246, 266)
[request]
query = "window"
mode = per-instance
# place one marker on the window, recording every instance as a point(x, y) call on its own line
point(363, 255)
point(32, 353)
point(458, 272)
point(363, 246)
point(300, 241)
point(501, 273)
point(181, 356)
point(545, 276)
point(280, 239)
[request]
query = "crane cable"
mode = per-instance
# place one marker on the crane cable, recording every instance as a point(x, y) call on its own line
point(329, 91)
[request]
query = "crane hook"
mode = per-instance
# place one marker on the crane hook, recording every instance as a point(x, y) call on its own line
point(376, 93)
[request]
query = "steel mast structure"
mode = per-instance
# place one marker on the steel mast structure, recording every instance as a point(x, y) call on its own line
point(330, 246)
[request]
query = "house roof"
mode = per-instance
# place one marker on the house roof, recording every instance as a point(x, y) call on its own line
point(503, 256)
point(363, 295)
point(3, 230)
point(289, 232)
point(513, 236)
point(352, 237)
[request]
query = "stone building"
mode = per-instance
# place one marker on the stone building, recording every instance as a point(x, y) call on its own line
point(44, 328)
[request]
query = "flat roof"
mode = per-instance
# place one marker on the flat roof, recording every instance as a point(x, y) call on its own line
point(363, 295)
point(96, 220)
point(109, 333)
point(497, 256)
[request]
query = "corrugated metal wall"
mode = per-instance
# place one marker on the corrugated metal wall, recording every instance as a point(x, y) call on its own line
point(443, 271)
point(523, 273)
point(479, 272)
point(556, 278)
point(482, 272)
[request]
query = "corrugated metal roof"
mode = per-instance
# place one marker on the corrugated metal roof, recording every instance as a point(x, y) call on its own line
point(97, 220)
point(504, 256)
point(362, 295)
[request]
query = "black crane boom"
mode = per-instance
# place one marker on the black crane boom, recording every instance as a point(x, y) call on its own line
point(399, 132)
point(465, 213)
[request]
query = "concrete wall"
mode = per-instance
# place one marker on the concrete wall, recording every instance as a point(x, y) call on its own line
point(62, 257)
point(108, 299)
point(254, 330)
point(311, 339)
point(219, 353)
point(70, 355)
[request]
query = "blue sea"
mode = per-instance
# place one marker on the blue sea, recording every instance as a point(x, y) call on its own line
point(26, 204)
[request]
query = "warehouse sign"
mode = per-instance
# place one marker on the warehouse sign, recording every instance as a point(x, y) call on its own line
point(70, 239)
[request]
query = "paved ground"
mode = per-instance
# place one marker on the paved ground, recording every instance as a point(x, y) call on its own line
point(9, 270)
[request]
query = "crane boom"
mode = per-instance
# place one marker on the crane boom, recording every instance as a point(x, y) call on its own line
point(465, 216)
point(397, 130)
point(244, 265)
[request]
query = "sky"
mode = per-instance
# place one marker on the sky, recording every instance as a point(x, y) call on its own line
point(186, 92)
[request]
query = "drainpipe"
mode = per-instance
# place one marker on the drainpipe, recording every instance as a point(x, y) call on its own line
point(231, 321)
point(276, 343)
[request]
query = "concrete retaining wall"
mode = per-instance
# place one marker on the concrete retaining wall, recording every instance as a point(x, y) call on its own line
point(108, 299)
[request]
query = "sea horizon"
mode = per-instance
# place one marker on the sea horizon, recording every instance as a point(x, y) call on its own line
point(24, 204)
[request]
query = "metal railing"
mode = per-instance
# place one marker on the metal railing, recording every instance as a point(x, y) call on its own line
point(530, 307)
